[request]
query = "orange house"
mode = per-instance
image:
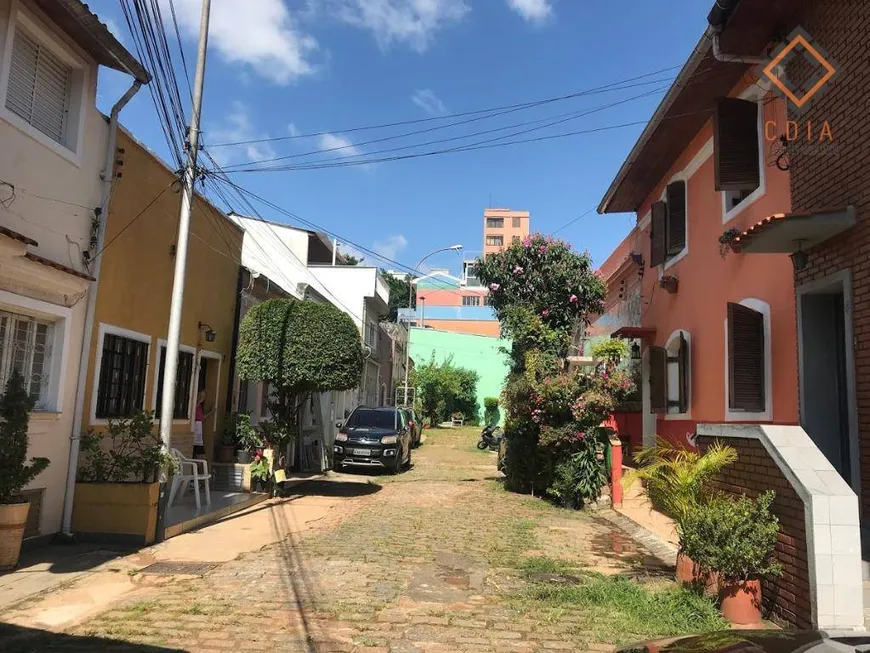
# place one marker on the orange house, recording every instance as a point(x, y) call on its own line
point(717, 329)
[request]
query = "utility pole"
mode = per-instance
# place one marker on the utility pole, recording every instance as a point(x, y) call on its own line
point(175, 311)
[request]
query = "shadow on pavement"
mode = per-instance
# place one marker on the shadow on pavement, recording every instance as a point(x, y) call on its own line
point(15, 639)
point(67, 558)
point(327, 488)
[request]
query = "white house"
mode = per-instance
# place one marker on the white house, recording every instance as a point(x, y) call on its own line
point(362, 293)
point(54, 148)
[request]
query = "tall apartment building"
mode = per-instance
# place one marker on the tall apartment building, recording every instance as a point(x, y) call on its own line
point(501, 226)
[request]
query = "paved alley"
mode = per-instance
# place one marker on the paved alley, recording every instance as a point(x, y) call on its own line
point(436, 559)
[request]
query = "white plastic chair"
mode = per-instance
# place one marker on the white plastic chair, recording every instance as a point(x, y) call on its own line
point(189, 472)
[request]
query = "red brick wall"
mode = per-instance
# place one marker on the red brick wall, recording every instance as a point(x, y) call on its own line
point(839, 173)
point(786, 598)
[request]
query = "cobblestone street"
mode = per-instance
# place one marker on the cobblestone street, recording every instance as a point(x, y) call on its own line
point(432, 560)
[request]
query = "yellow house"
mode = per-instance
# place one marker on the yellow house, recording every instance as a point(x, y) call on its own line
point(132, 310)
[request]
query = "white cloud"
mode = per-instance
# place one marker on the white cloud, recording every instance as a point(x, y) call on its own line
point(339, 144)
point(429, 102)
point(237, 127)
point(534, 11)
point(259, 33)
point(391, 246)
point(410, 22)
point(293, 130)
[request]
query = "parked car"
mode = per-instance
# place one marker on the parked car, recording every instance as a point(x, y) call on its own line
point(415, 425)
point(759, 641)
point(374, 438)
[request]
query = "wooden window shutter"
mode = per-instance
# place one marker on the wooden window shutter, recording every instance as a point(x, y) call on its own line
point(658, 379)
point(676, 207)
point(745, 359)
point(735, 145)
point(683, 367)
point(658, 234)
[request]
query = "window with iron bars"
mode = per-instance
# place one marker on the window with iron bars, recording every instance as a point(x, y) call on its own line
point(25, 345)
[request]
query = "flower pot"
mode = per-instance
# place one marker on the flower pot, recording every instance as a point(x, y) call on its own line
point(685, 569)
point(226, 453)
point(740, 601)
point(122, 512)
point(13, 517)
point(243, 457)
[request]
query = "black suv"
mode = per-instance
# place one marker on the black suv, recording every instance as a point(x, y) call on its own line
point(373, 437)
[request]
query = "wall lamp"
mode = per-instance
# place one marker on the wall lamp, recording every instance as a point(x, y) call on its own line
point(210, 334)
point(800, 258)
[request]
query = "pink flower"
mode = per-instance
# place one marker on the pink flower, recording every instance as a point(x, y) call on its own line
point(494, 286)
point(573, 299)
point(545, 312)
point(527, 241)
point(542, 249)
point(518, 270)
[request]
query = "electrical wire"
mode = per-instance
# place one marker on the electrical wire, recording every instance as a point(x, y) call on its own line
point(508, 107)
point(133, 221)
point(553, 120)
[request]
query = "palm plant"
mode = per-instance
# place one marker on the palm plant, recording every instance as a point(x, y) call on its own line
point(678, 480)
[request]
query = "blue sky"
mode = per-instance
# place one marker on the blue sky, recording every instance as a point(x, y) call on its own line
point(282, 67)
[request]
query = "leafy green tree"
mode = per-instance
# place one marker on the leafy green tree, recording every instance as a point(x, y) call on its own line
point(399, 289)
point(15, 472)
point(298, 348)
point(545, 279)
point(445, 389)
point(349, 259)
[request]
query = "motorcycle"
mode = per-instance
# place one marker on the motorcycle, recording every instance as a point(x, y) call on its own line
point(490, 438)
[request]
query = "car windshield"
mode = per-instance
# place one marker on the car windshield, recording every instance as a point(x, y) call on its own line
point(379, 419)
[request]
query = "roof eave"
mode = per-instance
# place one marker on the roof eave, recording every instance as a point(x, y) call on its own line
point(686, 73)
point(100, 42)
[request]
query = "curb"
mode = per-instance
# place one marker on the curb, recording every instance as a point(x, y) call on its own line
point(664, 551)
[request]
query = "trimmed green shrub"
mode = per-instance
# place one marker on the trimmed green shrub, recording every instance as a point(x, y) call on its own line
point(736, 538)
point(491, 415)
point(446, 389)
point(15, 472)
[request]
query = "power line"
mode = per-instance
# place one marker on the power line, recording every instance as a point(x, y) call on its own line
point(135, 218)
point(507, 107)
point(553, 120)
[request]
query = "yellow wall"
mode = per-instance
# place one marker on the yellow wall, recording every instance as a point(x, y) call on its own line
point(137, 272)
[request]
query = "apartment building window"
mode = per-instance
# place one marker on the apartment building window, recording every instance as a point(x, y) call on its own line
point(669, 371)
point(495, 241)
point(39, 88)
point(668, 224)
point(183, 381)
point(746, 359)
point(123, 367)
point(495, 223)
point(470, 300)
point(25, 346)
point(517, 223)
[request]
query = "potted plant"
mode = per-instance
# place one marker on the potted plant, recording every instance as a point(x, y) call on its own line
point(117, 487)
point(247, 436)
point(226, 451)
point(15, 407)
point(677, 483)
point(736, 539)
point(727, 241)
point(261, 471)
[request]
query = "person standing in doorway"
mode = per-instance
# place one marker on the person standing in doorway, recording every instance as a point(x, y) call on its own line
point(200, 417)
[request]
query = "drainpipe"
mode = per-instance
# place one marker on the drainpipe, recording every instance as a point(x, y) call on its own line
point(78, 415)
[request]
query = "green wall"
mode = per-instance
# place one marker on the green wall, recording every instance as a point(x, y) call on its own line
point(478, 353)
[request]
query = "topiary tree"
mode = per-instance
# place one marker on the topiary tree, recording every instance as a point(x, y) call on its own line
point(298, 348)
point(15, 472)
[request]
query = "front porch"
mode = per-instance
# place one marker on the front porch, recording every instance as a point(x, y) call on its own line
point(183, 515)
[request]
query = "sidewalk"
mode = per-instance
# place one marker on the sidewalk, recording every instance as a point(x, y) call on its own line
point(72, 582)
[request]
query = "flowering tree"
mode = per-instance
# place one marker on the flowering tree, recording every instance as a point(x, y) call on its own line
point(541, 290)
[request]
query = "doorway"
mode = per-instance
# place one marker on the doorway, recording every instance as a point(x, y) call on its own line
point(827, 372)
